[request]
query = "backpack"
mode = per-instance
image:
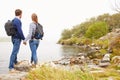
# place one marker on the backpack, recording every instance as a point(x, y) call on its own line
point(9, 28)
point(38, 33)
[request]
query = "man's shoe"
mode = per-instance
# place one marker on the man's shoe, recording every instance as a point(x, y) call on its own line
point(17, 63)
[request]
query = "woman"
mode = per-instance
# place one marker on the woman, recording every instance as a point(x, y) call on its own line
point(34, 43)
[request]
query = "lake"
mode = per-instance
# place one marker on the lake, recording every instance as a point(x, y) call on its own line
point(47, 51)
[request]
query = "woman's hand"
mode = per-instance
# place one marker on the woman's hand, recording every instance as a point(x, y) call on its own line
point(24, 43)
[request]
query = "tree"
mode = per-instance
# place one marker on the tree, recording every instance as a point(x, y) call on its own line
point(66, 34)
point(97, 30)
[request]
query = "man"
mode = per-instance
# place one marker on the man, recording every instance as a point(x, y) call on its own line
point(16, 39)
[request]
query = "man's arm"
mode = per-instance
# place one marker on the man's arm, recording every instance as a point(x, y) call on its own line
point(19, 29)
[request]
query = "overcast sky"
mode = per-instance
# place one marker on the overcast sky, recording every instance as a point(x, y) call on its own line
point(54, 15)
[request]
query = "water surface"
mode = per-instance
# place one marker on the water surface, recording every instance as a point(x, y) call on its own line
point(47, 51)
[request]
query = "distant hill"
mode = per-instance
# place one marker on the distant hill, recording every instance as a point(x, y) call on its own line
point(5, 39)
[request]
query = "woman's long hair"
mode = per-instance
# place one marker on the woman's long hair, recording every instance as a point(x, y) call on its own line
point(34, 18)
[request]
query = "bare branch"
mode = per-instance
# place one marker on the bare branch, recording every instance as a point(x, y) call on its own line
point(116, 5)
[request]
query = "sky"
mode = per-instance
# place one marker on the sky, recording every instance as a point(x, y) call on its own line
point(54, 15)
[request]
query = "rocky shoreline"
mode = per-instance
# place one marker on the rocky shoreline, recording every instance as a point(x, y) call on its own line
point(69, 63)
point(13, 76)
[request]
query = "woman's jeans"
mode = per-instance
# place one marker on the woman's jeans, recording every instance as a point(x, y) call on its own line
point(13, 58)
point(33, 46)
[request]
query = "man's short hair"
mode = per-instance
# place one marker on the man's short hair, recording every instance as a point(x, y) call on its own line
point(18, 12)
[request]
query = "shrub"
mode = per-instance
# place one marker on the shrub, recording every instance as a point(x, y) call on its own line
point(102, 43)
point(97, 30)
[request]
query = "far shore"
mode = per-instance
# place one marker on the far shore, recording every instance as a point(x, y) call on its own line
point(5, 39)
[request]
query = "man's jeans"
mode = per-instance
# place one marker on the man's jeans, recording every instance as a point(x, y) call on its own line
point(33, 46)
point(13, 57)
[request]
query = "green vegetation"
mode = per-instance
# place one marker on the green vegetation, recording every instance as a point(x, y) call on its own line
point(92, 30)
point(49, 73)
point(66, 34)
point(108, 73)
point(86, 33)
point(97, 30)
point(115, 46)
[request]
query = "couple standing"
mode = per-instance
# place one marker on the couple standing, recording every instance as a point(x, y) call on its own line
point(19, 36)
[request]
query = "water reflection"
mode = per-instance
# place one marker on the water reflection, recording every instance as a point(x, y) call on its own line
point(67, 50)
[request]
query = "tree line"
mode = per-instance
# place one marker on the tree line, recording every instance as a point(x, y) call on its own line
point(95, 27)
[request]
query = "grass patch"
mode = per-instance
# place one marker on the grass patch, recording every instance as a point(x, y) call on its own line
point(49, 73)
point(108, 72)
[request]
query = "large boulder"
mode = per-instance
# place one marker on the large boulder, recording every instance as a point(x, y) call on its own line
point(105, 61)
point(23, 66)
